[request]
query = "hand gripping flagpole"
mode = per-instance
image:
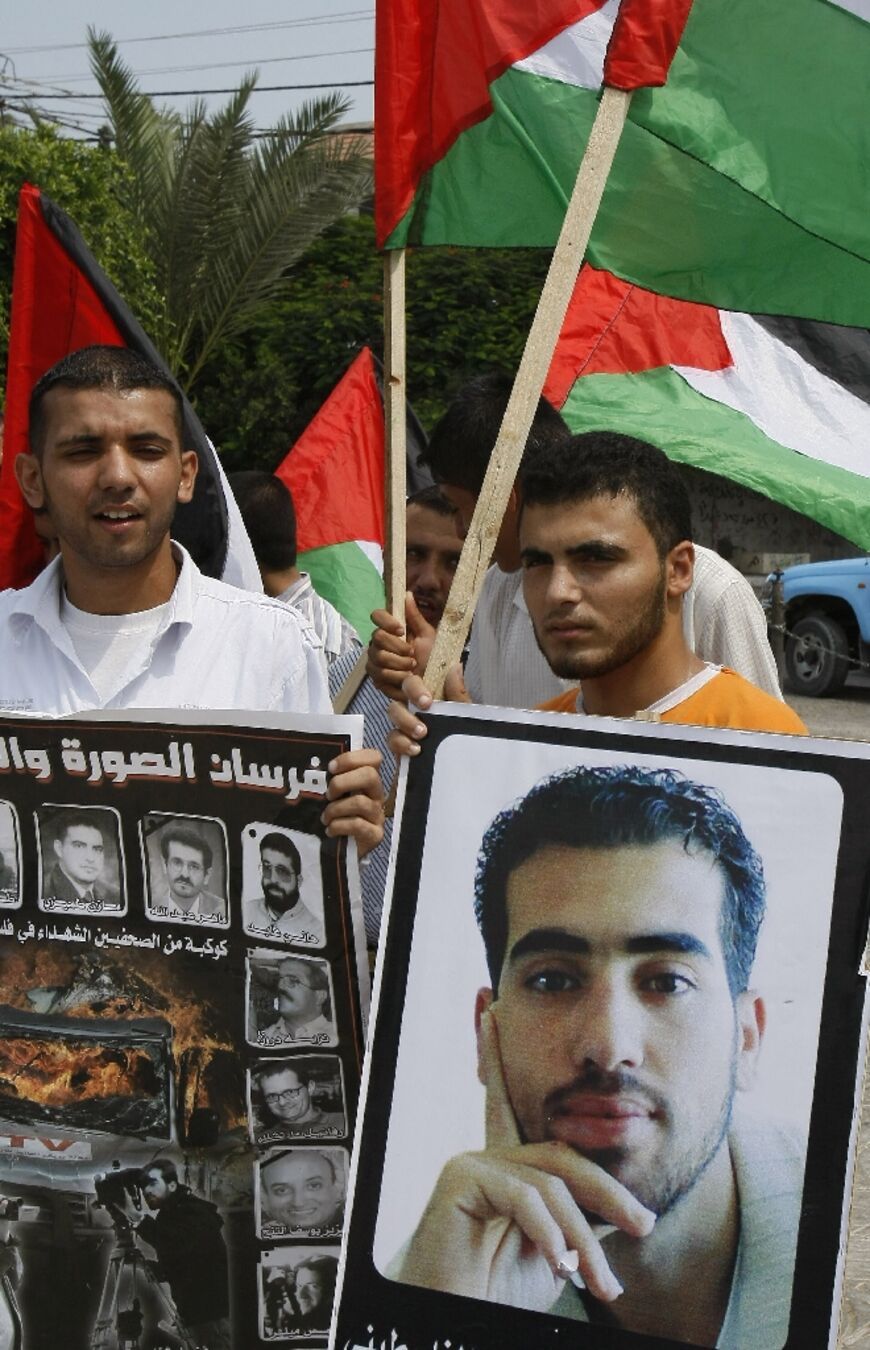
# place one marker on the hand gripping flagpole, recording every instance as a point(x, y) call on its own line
point(645, 37)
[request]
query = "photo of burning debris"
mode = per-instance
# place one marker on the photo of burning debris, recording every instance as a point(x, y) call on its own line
point(88, 1039)
point(10, 861)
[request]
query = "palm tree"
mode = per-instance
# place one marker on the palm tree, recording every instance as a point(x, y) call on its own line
point(225, 211)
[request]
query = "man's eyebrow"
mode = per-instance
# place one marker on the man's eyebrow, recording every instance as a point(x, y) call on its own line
point(597, 550)
point(94, 437)
point(535, 555)
point(543, 940)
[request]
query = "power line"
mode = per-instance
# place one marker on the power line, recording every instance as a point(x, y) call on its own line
point(310, 21)
point(225, 65)
point(233, 89)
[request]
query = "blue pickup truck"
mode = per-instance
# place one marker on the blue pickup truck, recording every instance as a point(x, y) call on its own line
point(827, 621)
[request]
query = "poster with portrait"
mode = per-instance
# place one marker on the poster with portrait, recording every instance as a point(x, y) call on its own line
point(163, 1166)
point(616, 1044)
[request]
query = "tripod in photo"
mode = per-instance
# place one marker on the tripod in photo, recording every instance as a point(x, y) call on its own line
point(117, 1328)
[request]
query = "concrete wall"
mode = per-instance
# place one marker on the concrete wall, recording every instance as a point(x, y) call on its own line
point(749, 529)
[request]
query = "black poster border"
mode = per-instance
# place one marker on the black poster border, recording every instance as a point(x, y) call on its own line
point(199, 798)
point(421, 1317)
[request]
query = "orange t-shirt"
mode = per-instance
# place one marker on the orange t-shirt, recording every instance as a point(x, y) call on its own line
point(727, 700)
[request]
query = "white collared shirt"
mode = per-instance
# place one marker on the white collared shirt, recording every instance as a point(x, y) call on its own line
point(216, 648)
point(723, 622)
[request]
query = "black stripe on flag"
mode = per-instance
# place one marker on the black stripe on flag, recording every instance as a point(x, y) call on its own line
point(841, 354)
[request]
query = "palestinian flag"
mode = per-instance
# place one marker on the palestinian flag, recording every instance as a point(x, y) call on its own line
point(62, 301)
point(335, 471)
point(742, 183)
point(781, 406)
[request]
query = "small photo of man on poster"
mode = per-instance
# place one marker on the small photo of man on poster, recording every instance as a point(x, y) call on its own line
point(282, 890)
point(186, 869)
point(289, 1001)
point(297, 1098)
point(81, 860)
point(301, 1192)
point(10, 863)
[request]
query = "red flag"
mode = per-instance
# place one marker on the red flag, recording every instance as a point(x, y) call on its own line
point(62, 301)
point(335, 470)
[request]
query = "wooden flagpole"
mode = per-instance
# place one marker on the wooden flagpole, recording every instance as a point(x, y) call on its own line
point(395, 421)
point(395, 477)
point(544, 333)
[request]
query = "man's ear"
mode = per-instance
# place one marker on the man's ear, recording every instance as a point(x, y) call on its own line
point(56, 845)
point(482, 1003)
point(189, 470)
point(28, 471)
point(751, 1023)
point(680, 567)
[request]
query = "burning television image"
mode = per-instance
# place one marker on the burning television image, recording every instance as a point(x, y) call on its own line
point(97, 1075)
point(115, 1042)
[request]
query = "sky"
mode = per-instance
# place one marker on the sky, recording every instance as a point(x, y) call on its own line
point(290, 42)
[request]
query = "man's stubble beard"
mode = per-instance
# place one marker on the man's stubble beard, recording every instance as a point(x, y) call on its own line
point(626, 645)
point(665, 1182)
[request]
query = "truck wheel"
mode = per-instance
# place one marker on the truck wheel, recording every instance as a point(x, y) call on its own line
point(816, 656)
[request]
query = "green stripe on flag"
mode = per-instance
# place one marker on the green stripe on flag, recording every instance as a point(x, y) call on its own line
point(740, 212)
point(345, 577)
point(659, 406)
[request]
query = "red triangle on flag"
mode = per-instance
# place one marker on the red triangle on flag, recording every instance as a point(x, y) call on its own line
point(614, 328)
point(335, 470)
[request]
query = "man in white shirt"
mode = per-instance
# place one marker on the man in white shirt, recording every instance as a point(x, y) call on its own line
point(270, 520)
point(723, 621)
point(123, 618)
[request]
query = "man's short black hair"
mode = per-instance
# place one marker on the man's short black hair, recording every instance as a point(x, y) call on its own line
point(432, 499)
point(119, 369)
point(276, 1070)
point(189, 838)
point(608, 464)
point(617, 807)
point(461, 443)
point(281, 844)
point(267, 509)
point(68, 820)
point(166, 1169)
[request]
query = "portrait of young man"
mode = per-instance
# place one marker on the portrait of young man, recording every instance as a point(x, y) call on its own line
point(633, 1157)
point(296, 1099)
point(186, 869)
point(302, 1192)
point(81, 860)
point(282, 892)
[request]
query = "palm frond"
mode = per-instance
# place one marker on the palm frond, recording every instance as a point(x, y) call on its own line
point(225, 215)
